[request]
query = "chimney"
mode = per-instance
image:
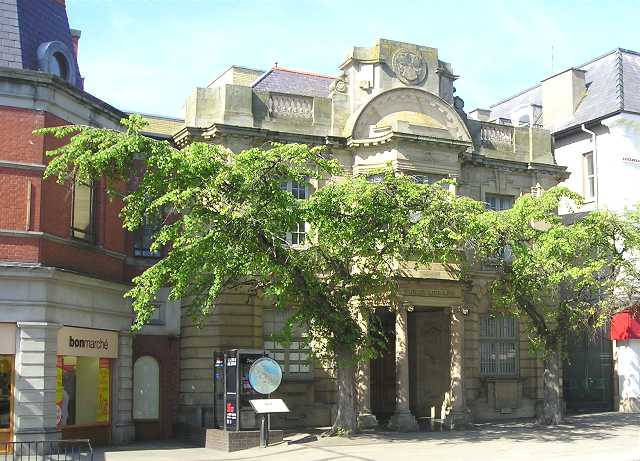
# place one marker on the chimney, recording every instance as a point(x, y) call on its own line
point(75, 38)
point(482, 115)
point(561, 95)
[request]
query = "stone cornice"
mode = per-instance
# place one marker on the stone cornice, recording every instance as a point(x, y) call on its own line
point(39, 91)
point(192, 134)
point(57, 239)
point(514, 165)
point(22, 166)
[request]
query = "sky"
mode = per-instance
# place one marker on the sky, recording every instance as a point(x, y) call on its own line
point(147, 56)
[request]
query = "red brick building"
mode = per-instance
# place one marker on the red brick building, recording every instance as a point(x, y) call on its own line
point(67, 357)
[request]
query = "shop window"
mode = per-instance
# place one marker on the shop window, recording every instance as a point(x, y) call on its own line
point(498, 346)
point(498, 202)
point(589, 177)
point(82, 213)
point(146, 388)
point(294, 358)
point(144, 238)
point(6, 383)
point(83, 391)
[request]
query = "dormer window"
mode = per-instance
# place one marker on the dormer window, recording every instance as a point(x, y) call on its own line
point(57, 59)
point(59, 66)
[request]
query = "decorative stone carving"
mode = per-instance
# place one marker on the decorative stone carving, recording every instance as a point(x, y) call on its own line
point(409, 67)
point(290, 107)
point(492, 135)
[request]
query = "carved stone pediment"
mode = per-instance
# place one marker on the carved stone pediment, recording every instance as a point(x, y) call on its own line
point(406, 110)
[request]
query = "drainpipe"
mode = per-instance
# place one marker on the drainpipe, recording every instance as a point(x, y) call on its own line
point(595, 165)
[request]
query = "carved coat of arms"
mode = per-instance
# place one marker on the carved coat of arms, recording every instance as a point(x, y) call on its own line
point(409, 67)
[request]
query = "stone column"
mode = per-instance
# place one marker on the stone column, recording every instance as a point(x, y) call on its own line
point(366, 419)
point(402, 419)
point(34, 407)
point(458, 411)
point(122, 427)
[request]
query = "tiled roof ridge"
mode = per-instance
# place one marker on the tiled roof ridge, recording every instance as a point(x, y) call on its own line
point(620, 79)
point(303, 72)
point(618, 50)
point(526, 90)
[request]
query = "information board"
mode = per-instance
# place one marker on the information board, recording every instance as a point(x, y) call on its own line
point(264, 406)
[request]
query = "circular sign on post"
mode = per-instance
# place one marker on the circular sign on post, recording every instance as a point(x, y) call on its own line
point(265, 375)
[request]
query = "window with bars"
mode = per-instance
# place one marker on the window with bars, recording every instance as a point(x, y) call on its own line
point(294, 358)
point(427, 178)
point(498, 346)
point(497, 202)
point(300, 191)
point(82, 221)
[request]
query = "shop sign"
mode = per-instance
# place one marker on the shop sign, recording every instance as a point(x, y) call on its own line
point(7, 338)
point(84, 342)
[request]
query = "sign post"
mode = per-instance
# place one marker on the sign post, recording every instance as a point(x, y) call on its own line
point(264, 408)
point(265, 377)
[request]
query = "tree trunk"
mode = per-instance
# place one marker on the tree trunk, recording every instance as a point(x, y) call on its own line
point(552, 405)
point(346, 418)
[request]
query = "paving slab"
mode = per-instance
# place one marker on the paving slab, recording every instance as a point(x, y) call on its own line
point(601, 437)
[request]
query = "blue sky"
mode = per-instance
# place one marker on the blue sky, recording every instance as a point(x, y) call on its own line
point(148, 55)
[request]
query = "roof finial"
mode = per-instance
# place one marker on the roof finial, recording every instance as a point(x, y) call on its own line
point(275, 65)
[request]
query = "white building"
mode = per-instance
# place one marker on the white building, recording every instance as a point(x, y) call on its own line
point(593, 112)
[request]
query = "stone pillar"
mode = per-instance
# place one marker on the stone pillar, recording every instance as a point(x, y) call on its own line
point(366, 419)
point(122, 427)
point(402, 419)
point(34, 414)
point(458, 411)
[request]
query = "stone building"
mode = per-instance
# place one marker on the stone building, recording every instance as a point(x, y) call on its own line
point(392, 103)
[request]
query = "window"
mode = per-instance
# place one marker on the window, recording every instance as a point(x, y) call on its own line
point(498, 202)
point(59, 66)
point(6, 382)
point(144, 238)
point(375, 178)
point(498, 346)
point(589, 177)
point(83, 391)
point(300, 191)
point(146, 388)
point(82, 212)
point(294, 359)
point(428, 178)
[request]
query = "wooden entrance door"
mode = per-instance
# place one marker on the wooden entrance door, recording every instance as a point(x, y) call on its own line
point(429, 360)
point(382, 371)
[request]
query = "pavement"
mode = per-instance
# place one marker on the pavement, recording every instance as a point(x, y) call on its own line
point(599, 437)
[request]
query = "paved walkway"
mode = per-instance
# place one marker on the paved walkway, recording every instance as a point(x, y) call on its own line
point(602, 437)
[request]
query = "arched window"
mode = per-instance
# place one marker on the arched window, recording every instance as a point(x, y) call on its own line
point(146, 388)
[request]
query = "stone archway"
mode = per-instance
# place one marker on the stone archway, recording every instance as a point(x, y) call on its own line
point(407, 110)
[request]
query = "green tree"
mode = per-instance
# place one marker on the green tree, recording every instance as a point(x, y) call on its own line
point(562, 279)
point(229, 217)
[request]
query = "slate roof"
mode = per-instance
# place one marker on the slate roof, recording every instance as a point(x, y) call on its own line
point(613, 84)
point(25, 24)
point(281, 80)
point(10, 50)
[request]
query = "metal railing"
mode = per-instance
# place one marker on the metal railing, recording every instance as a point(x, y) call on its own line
point(47, 450)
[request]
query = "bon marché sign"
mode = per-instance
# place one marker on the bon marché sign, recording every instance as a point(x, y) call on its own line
point(84, 342)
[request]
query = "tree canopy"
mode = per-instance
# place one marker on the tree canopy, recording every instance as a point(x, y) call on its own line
point(562, 276)
point(227, 218)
